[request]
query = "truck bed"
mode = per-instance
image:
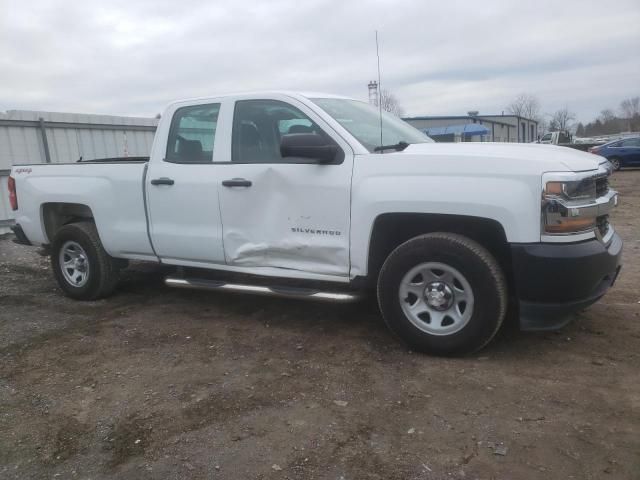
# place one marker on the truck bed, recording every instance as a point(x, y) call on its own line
point(93, 160)
point(116, 160)
point(112, 188)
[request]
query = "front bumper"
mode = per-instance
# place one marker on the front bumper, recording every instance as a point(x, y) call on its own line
point(555, 280)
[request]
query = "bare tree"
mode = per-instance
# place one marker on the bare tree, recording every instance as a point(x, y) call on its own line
point(607, 115)
point(609, 122)
point(390, 103)
point(630, 107)
point(543, 125)
point(525, 105)
point(562, 120)
point(631, 112)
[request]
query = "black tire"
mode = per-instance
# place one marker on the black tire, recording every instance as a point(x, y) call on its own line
point(102, 272)
point(615, 161)
point(481, 271)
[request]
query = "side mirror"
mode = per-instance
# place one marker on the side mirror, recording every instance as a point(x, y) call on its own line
point(308, 145)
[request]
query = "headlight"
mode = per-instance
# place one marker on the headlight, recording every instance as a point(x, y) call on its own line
point(576, 205)
point(562, 202)
point(574, 190)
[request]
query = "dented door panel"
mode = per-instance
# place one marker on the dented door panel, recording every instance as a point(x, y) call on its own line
point(293, 216)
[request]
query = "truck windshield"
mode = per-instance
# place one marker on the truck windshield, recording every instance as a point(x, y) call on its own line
point(363, 122)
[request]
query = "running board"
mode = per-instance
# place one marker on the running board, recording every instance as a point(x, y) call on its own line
point(286, 292)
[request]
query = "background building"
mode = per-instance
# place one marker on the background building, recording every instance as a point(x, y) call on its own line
point(477, 128)
point(53, 137)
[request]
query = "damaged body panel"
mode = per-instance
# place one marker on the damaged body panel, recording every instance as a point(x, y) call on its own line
point(293, 216)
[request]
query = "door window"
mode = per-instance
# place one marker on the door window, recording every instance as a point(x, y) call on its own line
point(192, 134)
point(258, 128)
point(631, 142)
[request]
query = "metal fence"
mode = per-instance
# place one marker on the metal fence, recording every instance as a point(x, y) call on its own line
point(55, 137)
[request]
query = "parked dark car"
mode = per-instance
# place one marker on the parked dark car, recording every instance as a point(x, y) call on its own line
point(621, 153)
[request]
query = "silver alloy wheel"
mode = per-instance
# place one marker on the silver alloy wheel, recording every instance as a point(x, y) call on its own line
point(74, 263)
point(436, 298)
point(615, 163)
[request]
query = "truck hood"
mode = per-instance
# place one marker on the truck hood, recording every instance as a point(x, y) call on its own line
point(522, 156)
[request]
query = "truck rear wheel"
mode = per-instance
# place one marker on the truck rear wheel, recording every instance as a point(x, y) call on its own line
point(442, 293)
point(81, 266)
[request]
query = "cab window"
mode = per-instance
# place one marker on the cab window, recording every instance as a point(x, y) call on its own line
point(192, 134)
point(259, 127)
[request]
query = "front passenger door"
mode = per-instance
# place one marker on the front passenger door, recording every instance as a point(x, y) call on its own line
point(283, 212)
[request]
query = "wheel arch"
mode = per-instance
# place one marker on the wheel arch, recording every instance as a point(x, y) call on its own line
point(393, 229)
point(54, 215)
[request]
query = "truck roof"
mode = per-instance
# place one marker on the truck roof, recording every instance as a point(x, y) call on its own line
point(290, 93)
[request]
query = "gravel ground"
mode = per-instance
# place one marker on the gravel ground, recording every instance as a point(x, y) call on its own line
point(161, 383)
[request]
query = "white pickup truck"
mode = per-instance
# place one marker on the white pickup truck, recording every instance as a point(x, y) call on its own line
point(317, 196)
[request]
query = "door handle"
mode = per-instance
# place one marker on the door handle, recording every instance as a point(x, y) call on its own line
point(162, 181)
point(237, 182)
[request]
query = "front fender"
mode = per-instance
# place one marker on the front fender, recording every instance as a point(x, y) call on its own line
point(513, 203)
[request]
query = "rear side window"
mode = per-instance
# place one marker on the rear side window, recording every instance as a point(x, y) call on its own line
point(192, 134)
point(631, 142)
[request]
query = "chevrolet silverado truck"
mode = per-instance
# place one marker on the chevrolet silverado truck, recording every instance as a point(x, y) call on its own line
point(323, 197)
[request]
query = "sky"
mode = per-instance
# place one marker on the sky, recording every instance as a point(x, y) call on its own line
point(438, 58)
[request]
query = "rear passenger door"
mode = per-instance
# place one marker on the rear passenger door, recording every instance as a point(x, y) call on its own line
point(182, 188)
point(288, 213)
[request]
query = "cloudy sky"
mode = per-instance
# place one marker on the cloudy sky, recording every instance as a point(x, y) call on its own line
point(438, 58)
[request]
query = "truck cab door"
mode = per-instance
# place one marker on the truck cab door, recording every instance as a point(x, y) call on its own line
point(281, 211)
point(182, 188)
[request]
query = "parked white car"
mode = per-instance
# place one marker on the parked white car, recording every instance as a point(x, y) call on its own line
point(315, 196)
point(555, 138)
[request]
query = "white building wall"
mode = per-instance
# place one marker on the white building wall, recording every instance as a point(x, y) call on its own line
point(69, 137)
point(72, 135)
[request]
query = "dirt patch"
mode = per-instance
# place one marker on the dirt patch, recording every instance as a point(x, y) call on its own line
point(127, 438)
point(66, 439)
point(161, 383)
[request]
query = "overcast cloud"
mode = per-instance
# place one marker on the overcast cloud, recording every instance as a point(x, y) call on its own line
point(439, 58)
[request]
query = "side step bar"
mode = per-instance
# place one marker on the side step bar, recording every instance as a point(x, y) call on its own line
point(286, 292)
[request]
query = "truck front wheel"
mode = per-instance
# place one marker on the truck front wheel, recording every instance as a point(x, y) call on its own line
point(81, 266)
point(442, 293)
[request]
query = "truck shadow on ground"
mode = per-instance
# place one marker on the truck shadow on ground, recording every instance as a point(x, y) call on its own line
point(143, 284)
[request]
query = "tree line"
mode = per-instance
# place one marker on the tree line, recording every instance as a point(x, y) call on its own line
point(626, 118)
point(526, 105)
point(609, 121)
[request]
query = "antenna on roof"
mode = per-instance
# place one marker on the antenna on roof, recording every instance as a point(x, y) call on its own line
point(379, 87)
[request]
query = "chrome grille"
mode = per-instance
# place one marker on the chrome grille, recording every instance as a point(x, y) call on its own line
point(602, 185)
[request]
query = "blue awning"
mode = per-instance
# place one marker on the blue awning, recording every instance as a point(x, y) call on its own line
point(465, 129)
